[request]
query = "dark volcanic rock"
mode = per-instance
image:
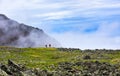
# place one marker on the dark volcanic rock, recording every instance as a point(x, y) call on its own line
point(17, 34)
point(3, 17)
point(63, 69)
point(87, 57)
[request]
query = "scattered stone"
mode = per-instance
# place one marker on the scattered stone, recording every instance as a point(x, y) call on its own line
point(3, 73)
point(87, 57)
point(87, 68)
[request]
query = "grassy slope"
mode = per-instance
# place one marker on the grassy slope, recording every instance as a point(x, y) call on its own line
point(43, 57)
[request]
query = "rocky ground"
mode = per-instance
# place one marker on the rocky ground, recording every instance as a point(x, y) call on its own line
point(62, 69)
point(58, 62)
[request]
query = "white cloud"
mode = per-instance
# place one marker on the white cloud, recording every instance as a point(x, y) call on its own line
point(54, 15)
point(108, 29)
point(117, 40)
point(87, 41)
point(85, 8)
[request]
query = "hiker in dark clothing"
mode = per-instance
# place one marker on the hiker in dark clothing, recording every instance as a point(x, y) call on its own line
point(46, 46)
point(49, 45)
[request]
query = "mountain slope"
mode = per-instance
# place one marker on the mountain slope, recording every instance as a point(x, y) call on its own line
point(17, 34)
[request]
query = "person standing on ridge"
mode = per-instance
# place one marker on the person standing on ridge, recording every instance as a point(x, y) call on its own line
point(46, 46)
point(49, 45)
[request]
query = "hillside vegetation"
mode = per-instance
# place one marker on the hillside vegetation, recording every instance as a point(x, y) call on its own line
point(36, 57)
point(52, 59)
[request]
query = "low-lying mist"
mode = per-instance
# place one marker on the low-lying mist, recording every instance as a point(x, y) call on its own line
point(16, 34)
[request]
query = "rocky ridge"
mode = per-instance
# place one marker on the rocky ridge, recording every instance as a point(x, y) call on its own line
point(17, 34)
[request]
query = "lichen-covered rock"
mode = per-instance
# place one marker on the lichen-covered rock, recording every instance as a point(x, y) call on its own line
point(3, 73)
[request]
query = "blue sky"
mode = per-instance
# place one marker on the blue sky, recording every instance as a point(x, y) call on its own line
point(74, 23)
